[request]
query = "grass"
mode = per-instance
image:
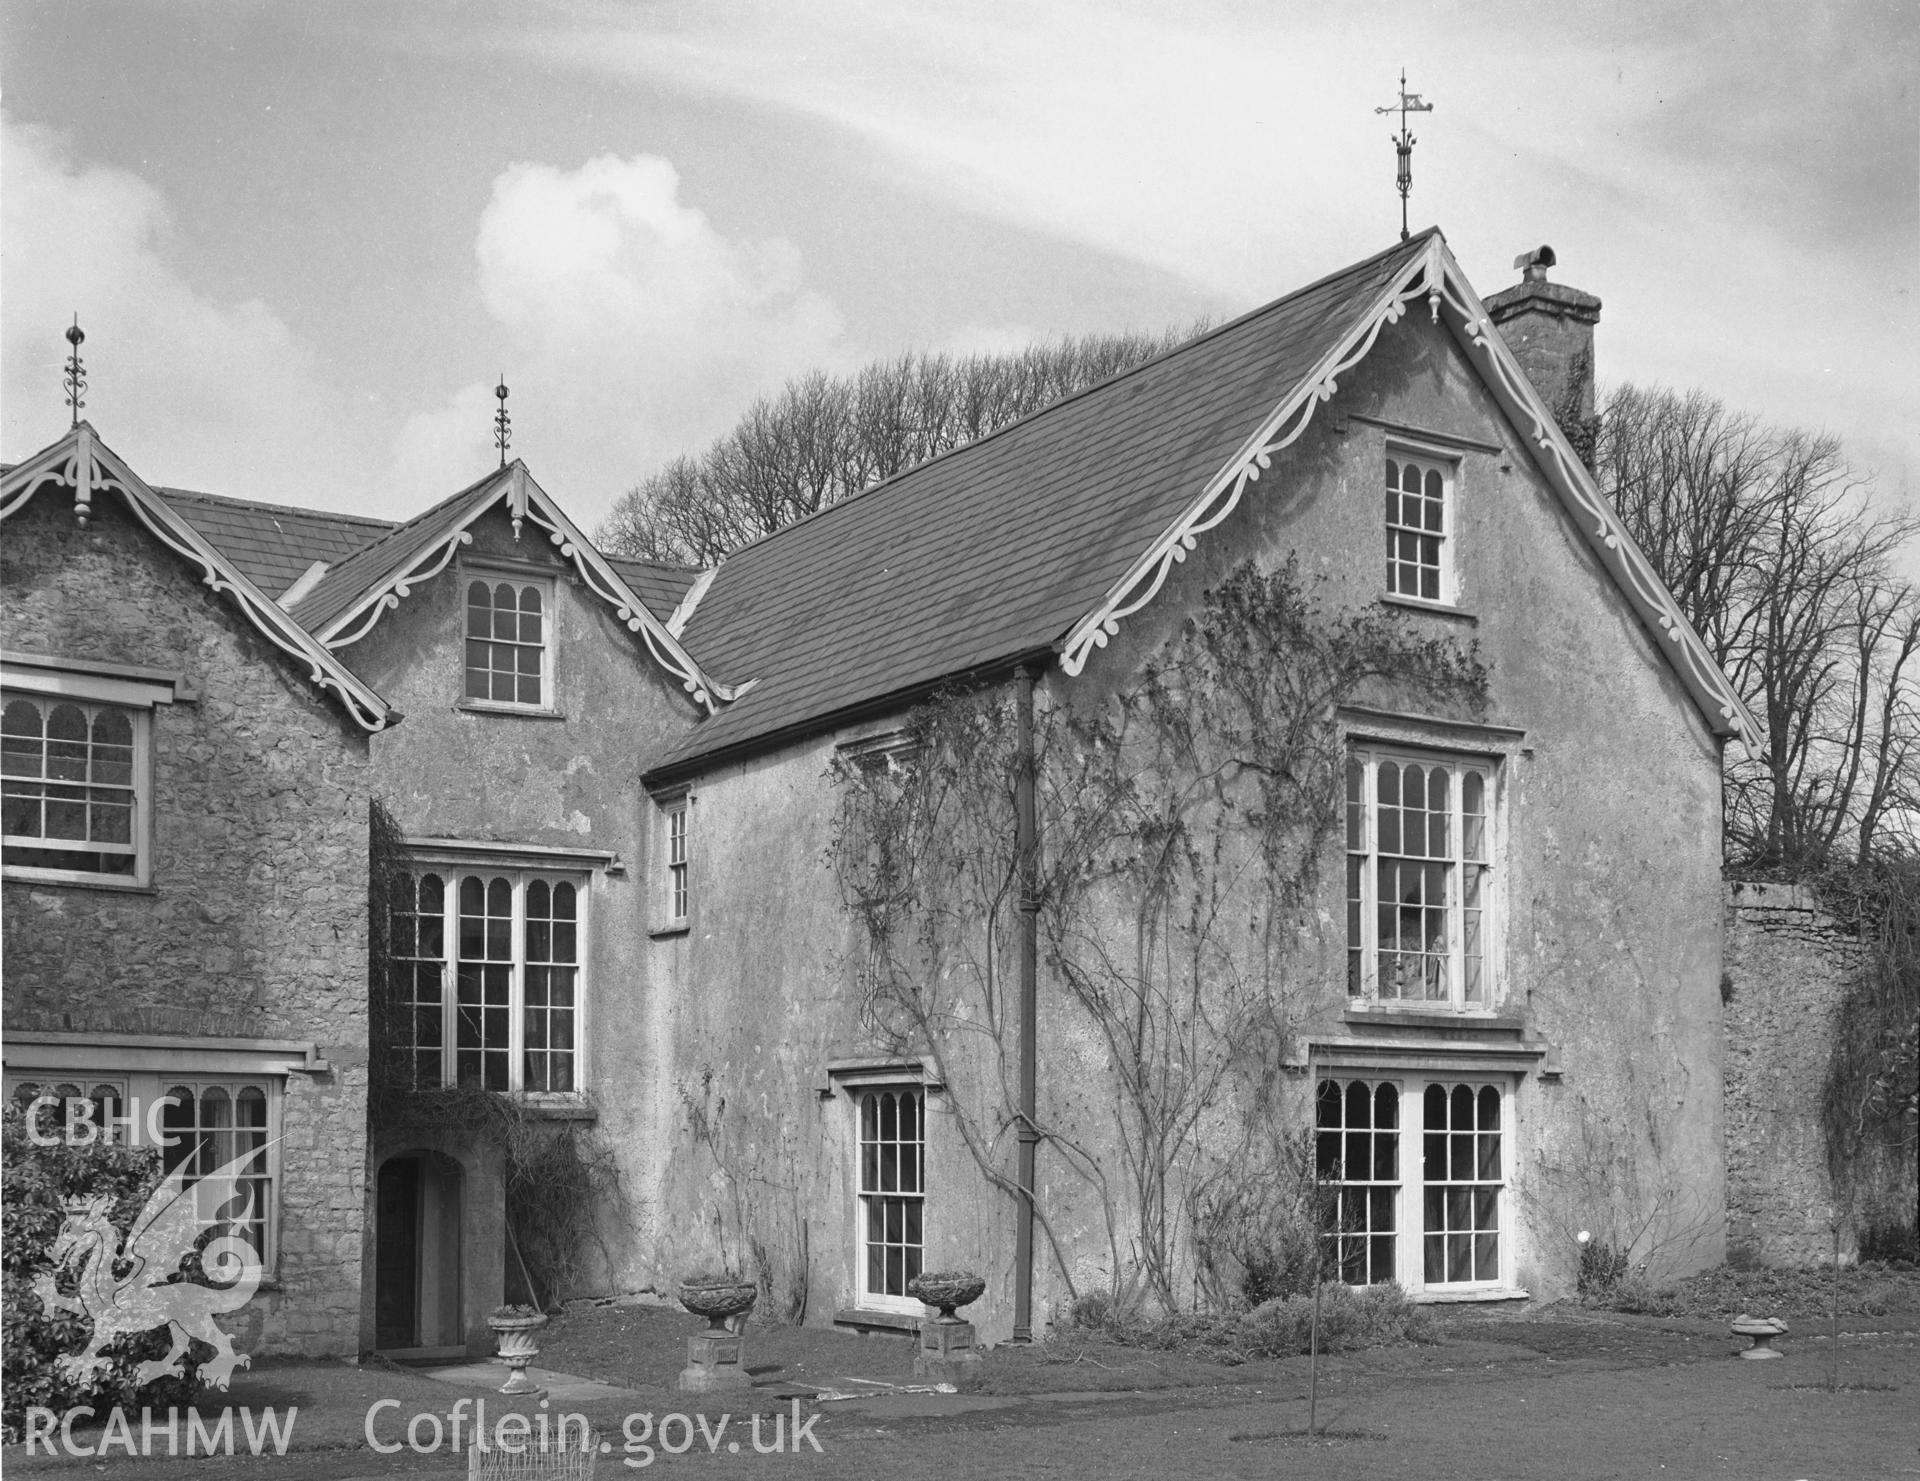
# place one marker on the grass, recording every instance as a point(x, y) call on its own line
point(1865, 1290)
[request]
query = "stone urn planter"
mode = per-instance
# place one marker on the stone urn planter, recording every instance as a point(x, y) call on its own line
point(948, 1290)
point(1760, 1331)
point(514, 1329)
point(714, 1359)
point(947, 1353)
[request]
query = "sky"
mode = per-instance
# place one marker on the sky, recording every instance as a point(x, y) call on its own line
point(306, 239)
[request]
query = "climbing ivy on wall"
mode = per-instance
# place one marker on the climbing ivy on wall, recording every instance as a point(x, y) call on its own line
point(1185, 820)
point(1870, 1106)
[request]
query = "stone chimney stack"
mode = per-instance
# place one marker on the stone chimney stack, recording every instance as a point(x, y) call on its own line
point(1549, 328)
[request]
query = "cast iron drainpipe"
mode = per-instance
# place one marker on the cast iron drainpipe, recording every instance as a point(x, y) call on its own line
point(1027, 850)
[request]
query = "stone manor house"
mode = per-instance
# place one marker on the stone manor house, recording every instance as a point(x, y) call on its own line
point(614, 782)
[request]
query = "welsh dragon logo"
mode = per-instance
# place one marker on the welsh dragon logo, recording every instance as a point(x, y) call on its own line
point(152, 1294)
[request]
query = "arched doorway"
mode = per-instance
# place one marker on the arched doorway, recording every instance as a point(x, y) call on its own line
point(417, 1235)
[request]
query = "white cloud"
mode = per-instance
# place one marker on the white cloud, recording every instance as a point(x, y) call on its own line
point(632, 330)
point(192, 391)
point(1236, 145)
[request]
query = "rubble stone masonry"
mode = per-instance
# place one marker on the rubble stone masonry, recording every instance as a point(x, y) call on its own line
point(1788, 965)
point(255, 925)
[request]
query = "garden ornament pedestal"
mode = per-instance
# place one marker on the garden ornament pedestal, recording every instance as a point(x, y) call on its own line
point(517, 1347)
point(1762, 1331)
point(714, 1357)
point(946, 1352)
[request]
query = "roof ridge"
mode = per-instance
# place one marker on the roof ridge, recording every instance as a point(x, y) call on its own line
point(641, 560)
point(1238, 321)
point(371, 519)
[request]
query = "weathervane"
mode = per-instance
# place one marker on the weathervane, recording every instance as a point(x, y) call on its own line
point(502, 423)
point(75, 379)
point(1403, 144)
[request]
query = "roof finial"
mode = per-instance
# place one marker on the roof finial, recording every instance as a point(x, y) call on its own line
point(76, 376)
point(1404, 142)
point(502, 423)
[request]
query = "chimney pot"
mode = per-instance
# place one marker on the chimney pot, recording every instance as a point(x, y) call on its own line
point(1549, 328)
point(1533, 265)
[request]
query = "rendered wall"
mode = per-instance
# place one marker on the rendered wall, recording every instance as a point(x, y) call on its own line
point(568, 780)
point(255, 924)
point(1610, 884)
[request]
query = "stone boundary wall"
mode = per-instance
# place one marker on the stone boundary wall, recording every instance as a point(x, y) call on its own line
point(1788, 964)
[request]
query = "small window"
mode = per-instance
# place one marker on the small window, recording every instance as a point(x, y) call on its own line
point(890, 1236)
point(509, 642)
point(501, 1010)
point(74, 775)
point(675, 860)
point(1419, 520)
point(1419, 867)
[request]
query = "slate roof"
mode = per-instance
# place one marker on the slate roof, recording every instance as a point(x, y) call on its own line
point(392, 553)
point(273, 544)
point(660, 585)
point(995, 550)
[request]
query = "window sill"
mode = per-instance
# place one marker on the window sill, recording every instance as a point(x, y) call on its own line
point(1463, 1298)
point(1421, 604)
point(874, 1320)
point(560, 1108)
point(1439, 1016)
point(516, 712)
point(665, 933)
point(64, 882)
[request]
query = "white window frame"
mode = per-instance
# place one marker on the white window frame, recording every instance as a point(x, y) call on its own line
point(1409, 1200)
point(1364, 854)
point(493, 579)
point(676, 859)
point(866, 1299)
point(1400, 531)
point(451, 871)
point(140, 1088)
point(134, 692)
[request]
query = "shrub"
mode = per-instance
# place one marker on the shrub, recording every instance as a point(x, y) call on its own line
point(37, 1180)
point(1890, 1241)
point(1282, 1327)
point(1809, 1292)
point(1370, 1317)
point(1602, 1268)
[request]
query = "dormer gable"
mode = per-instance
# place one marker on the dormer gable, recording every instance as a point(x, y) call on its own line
point(349, 600)
point(83, 472)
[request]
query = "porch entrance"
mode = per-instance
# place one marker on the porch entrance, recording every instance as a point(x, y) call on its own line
point(416, 1294)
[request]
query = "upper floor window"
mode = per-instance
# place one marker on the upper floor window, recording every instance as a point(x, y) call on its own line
point(1419, 523)
point(74, 776)
point(1419, 865)
point(490, 972)
point(675, 859)
point(510, 642)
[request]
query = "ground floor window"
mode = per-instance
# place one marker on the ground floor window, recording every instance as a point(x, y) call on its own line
point(1416, 1177)
point(202, 1123)
point(891, 1236)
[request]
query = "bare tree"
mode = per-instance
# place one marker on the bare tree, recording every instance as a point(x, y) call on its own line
point(1778, 554)
point(823, 438)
